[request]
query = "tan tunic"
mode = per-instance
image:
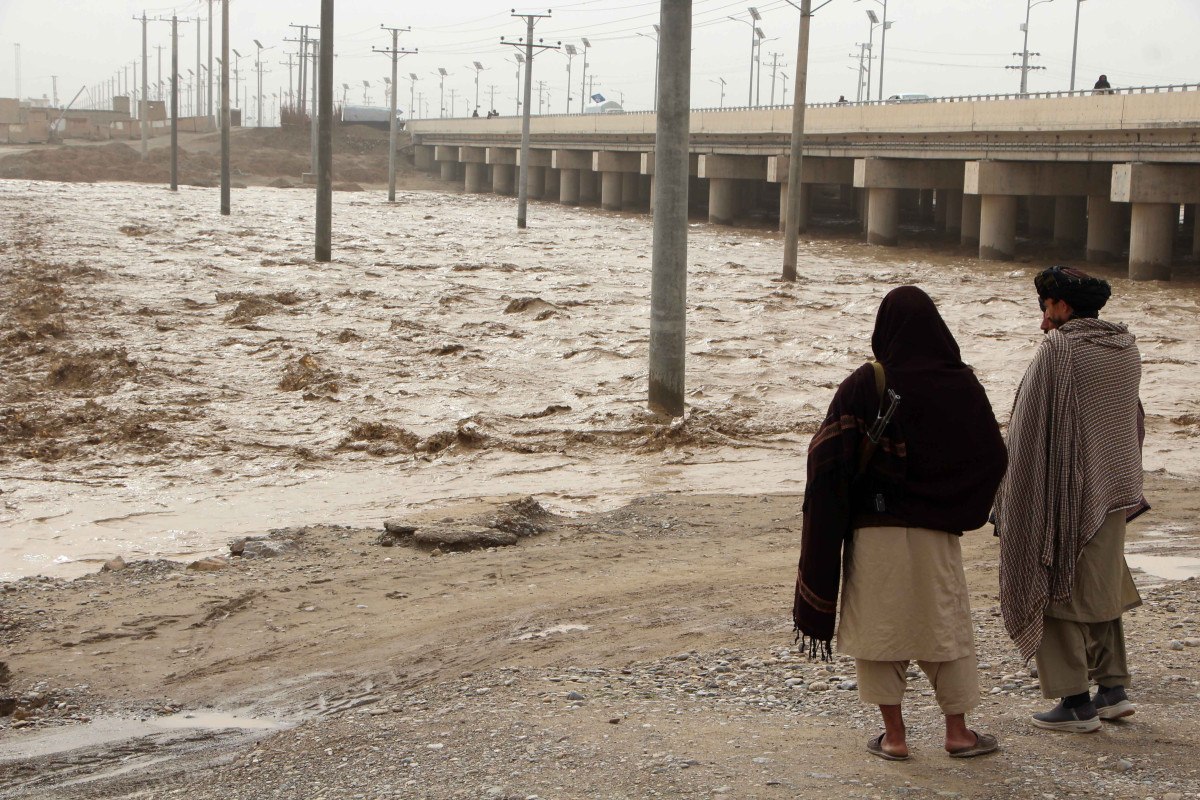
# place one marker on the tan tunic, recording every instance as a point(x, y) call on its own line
point(905, 597)
point(1103, 589)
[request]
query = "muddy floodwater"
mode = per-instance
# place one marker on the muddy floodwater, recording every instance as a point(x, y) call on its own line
point(174, 378)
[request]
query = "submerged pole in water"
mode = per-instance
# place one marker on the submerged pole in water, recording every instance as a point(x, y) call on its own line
point(668, 281)
point(225, 107)
point(325, 137)
point(791, 228)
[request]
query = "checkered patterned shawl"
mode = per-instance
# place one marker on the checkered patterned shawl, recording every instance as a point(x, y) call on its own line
point(1073, 457)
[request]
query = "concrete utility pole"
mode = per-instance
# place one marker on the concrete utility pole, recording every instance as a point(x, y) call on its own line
point(17, 50)
point(209, 93)
point(159, 48)
point(528, 44)
point(583, 95)
point(1075, 42)
point(491, 97)
point(291, 93)
point(303, 41)
point(791, 230)
point(775, 65)
point(145, 97)
point(317, 120)
point(541, 93)
point(198, 94)
point(395, 53)
point(453, 102)
point(225, 107)
point(668, 280)
point(174, 20)
point(325, 155)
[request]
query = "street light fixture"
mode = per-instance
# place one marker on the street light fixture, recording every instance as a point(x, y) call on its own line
point(721, 81)
point(571, 52)
point(442, 90)
point(655, 36)
point(412, 107)
point(478, 69)
point(755, 16)
point(882, 42)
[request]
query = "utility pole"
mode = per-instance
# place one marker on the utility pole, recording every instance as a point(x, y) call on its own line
point(159, 48)
point(225, 107)
point(791, 230)
point(174, 20)
point(303, 41)
point(317, 116)
point(491, 97)
point(198, 95)
point(453, 104)
point(775, 65)
point(583, 95)
point(527, 43)
point(324, 248)
point(209, 93)
point(145, 97)
point(668, 279)
point(291, 94)
point(17, 49)
point(54, 78)
point(541, 89)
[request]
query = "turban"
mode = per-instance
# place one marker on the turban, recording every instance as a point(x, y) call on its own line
point(1085, 294)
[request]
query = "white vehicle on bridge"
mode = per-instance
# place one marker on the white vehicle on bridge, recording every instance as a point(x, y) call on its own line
point(909, 97)
point(601, 105)
point(371, 115)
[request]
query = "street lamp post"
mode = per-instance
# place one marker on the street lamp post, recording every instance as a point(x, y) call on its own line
point(442, 91)
point(722, 82)
point(571, 53)
point(882, 42)
point(478, 69)
point(1075, 43)
point(755, 17)
point(657, 52)
point(520, 60)
point(1029, 4)
point(870, 47)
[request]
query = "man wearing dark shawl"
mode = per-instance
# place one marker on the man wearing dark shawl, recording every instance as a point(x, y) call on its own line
point(933, 475)
point(1074, 479)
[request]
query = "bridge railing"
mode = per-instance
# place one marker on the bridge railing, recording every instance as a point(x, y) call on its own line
point(964, 98)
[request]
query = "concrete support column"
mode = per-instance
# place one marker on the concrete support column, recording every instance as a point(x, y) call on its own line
point(610, 191)
point(1105, 227)
point(954, 203)
point(969, 235)
point(423, 157)
point(883, 216)
point(805, 205)
point(1070, 221)
point(537, 182)
point(998, 227)
point(939, 208)
point(587, 186)
point(722, 199)
point(553, 179)
point(861, 198)
point(568, 187)
point(1196, 240)
point(477, 178)
point(502, 178)
point(630, 190)
point(449, 170)
point(1151, 236)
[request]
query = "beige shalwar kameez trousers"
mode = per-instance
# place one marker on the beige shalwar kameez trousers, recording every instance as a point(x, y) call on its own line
point(905, 598)
point(1083, 639)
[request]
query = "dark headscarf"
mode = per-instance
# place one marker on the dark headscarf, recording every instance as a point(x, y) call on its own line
point(937, 466)
point(1086, 295)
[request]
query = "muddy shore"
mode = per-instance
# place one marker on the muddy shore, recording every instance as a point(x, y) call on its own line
point(176, 381)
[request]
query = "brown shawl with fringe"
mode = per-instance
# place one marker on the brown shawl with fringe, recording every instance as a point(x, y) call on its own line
point(937, 466)
point(1075, 457)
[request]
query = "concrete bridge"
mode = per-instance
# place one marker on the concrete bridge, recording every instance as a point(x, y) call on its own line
point(1105, 176)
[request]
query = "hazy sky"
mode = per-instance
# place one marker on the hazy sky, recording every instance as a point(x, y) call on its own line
point(936, 47)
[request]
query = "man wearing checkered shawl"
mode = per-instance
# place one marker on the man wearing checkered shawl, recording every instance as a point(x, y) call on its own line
point(1074, 479)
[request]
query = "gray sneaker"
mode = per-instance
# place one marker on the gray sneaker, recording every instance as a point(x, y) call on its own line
point(1083, 719)
point(1113, 704)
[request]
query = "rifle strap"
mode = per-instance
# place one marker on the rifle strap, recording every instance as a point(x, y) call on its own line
point(867, 450)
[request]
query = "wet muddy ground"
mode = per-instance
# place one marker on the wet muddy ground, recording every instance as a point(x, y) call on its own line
point(175, 379)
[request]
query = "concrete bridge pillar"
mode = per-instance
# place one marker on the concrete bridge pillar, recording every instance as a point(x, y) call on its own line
point(552, 183)
point(883, 216)
point(969, 236)
point(1105, 229)
point(1151, 237)
point(1156, 192)
point(503, 179)
point(477, 178)
point(610, 191)
point(814, 170)
point(474, 161)
point(953, 209)
point(1070, 221)
point(423, 157)
point(568, 187)
point(997, 227)
point(588, 182)
point(630, 190)
point(536, 185)
point(447, 159)
point(722, 201)
point(728, 176)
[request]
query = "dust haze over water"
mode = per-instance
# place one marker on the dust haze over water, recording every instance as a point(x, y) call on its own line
point(202, 378)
